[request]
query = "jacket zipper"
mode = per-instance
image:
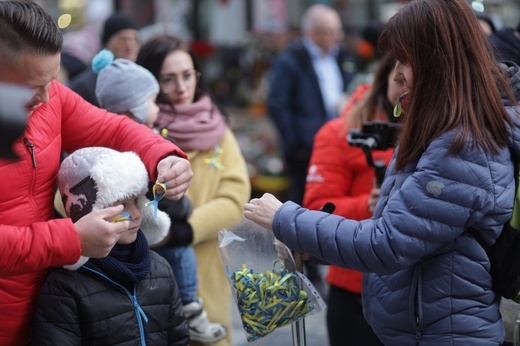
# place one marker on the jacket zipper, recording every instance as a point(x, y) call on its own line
point(133, 297)
point(417, 330)
point(30, 146)
point(417, 310)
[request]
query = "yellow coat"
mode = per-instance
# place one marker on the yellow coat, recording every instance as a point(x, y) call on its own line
point(219, 189)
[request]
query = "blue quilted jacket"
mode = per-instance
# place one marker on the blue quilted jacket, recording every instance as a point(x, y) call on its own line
point(427, 280)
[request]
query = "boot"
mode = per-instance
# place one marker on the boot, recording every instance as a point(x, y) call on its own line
point(201, 329)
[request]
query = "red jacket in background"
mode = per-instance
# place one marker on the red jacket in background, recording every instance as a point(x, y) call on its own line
point(31, 242)
point(339, 173)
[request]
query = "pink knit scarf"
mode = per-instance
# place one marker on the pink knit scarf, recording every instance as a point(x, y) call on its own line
point(197, 126)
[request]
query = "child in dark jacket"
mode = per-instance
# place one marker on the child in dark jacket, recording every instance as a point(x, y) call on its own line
point(126, 88)
point(129, 297)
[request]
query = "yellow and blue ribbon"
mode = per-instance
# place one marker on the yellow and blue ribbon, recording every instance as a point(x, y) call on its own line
point(213, 161)
point(123, 217)
point(156, 197)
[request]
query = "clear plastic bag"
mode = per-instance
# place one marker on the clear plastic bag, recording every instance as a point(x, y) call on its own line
point(268, 290)
point(511, 318)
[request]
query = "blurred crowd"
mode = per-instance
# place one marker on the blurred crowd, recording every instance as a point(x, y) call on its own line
point(179, 153)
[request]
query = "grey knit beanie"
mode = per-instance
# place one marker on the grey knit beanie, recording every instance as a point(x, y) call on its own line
point(96, 177)
point(123, 86)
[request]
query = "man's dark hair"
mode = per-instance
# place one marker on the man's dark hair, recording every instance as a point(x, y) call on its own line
point(26, 26)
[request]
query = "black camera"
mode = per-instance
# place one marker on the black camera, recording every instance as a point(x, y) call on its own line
point(13, 116)
point(375, 135)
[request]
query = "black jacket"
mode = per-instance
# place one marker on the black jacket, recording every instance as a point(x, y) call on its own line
point(506, 45)
point(84, 307)
point(295, 101)
point(85, 85)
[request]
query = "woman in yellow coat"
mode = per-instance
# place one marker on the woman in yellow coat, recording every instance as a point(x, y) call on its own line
point(220, 184)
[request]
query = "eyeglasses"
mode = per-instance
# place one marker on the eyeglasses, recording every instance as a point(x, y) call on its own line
point(170, 82)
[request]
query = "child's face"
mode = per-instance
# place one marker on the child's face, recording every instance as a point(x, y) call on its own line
point(153, 112)
point(131, 207)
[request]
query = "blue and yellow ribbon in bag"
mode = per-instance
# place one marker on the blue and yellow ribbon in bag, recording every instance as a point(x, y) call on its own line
point(268, 300)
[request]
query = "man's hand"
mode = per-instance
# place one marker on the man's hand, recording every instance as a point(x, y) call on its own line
point(98, 234)
point(176, 173)
point(261, 210)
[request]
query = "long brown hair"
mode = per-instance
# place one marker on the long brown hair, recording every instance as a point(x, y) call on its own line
point(456, 81)
point(375, 102)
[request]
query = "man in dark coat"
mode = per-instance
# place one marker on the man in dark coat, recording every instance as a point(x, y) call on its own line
point(120, 36)
point(307, 83)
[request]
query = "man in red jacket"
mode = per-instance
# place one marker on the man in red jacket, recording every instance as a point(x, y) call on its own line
point(31, 241)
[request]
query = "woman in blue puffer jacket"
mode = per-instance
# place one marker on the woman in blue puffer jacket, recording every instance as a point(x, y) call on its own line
point(428, 280)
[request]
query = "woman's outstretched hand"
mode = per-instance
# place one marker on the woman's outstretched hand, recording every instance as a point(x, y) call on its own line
point(261, 210)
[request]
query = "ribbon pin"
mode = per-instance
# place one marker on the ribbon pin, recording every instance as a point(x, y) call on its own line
point(214, 160)
point(156, 197)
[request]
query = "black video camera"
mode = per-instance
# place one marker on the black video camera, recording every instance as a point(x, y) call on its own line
point(13, 116)
point(374, 135)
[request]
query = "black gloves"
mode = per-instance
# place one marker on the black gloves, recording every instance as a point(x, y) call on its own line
point(182, 233)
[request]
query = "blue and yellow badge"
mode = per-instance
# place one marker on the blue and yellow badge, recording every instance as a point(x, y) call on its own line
point(215, 160)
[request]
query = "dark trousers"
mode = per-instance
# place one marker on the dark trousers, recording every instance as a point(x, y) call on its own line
point(345, 322)
point(297, 165)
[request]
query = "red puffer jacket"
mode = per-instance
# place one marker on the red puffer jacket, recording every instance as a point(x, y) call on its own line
point(339, 173)
point(31, 241)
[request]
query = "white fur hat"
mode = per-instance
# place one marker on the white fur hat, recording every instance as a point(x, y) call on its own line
point(95, 178)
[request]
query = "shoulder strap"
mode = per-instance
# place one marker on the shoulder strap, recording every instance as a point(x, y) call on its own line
point(515, 217)
point(514, 222)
